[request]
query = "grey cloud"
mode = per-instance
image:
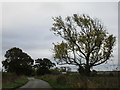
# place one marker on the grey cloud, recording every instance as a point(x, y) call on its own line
point(27, 25)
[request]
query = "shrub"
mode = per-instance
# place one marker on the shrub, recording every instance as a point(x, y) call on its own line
point(42, 71)
point(55, 71)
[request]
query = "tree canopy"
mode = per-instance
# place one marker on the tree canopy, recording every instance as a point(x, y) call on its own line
point(43, 66)
point(18, 62)
point(86, 42)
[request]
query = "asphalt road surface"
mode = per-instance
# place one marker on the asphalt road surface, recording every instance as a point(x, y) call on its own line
point(34, 84)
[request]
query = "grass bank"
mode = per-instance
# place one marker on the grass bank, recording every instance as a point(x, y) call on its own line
point(77, 81)
point(11, 81)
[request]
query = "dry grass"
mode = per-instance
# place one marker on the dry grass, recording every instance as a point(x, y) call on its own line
point(77, 81)
point(11, 80)
point(8, 78)
point(105, 81)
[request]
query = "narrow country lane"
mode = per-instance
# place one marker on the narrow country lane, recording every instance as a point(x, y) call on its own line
point(35, 84)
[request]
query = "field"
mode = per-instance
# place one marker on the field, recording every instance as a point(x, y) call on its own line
point(12, 81)
point(77, 81)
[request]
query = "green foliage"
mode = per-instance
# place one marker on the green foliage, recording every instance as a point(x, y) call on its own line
point(86, 44)
point(17, 62)
point(55, 71)
point(60, 50)
point(43, 66)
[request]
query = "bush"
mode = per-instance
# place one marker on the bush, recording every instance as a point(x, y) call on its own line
point(55, 71)
point(42, 71)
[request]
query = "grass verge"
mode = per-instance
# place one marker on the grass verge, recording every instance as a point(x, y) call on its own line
point(15, 84)
point(77, 81)
point(52, 80)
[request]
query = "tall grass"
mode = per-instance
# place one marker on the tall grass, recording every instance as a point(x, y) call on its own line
point(12, 81)
point(78, 81)
point(105, 81)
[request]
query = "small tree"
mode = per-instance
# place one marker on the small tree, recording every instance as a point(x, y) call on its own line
point(18, 62)
point(43, 66)
point(86, 44)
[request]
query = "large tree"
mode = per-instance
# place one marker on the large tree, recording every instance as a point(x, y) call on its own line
point(86, 42)
point(18, 62)
point(43, 66)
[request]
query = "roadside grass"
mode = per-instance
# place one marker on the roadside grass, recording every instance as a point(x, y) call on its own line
point(77, 81)
point(11, 81)
point(105, 81)
point(66, 81)
point(52, 80)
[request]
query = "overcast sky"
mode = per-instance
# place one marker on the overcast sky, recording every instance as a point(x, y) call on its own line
point(27, 25)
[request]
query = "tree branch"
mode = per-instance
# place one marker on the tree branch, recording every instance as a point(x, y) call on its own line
point(100, 63)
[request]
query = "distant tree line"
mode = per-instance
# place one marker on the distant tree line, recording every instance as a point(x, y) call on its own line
point(19, 62)
point(43, 66)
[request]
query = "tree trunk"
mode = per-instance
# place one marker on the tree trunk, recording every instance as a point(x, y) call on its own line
point(84, 71)
point(87, 66)
point(81, 69)
point(87, 70)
